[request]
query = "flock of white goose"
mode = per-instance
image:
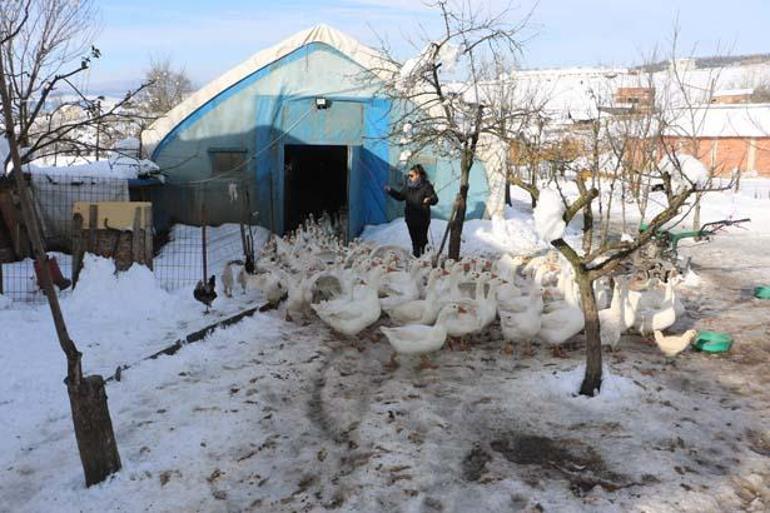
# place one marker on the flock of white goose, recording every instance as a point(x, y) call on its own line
point(350, 287)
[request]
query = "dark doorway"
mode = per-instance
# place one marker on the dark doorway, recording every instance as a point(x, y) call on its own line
point(315, 180)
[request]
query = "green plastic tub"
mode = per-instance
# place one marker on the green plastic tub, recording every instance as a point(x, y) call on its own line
point(713, 342)
point(762, 292)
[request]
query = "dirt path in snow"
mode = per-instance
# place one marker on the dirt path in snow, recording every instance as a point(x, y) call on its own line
point(267, 416)
point(465, 437)
point(731, 266)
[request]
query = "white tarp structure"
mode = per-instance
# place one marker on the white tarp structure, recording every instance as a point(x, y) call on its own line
point(361, 54)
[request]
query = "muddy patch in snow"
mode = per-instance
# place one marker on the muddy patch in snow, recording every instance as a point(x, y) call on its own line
point(572, 459)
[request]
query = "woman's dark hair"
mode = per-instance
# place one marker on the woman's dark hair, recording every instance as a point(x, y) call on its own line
point(417, 168)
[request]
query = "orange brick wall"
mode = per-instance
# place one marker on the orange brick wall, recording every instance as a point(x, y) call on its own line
point(732, 99)
point(762, 163)
point(727, 153)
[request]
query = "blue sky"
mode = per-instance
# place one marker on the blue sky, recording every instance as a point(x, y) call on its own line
point(210, 37)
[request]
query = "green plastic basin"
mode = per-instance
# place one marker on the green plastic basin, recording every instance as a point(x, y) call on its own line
point(762, 292)
point(713, 342)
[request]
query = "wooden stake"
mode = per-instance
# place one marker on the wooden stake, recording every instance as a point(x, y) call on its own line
point(148, 249)
point(93, 227)
point(78, 248)
point(137, 241)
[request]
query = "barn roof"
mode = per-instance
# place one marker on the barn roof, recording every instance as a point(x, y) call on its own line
point(363, 55)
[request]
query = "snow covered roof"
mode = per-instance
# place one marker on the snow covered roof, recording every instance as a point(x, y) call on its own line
point(359, 53)
point(741, 120)
point(734, 92)
point(573, 93)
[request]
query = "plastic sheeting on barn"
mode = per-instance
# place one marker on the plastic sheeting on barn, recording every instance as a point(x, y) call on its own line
point(228, 150)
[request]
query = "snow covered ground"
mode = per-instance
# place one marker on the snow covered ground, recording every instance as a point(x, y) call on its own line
point(271, 416)
point(513, 232)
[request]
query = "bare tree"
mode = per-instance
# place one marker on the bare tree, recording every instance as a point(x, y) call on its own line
point(627, 150)
point(54, 33)
point(761, 93)
point(46, 50)
point(39, 40)
point(167, 87)
point(441, 95)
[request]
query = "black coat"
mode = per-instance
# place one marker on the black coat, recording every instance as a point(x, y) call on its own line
point(416, 211)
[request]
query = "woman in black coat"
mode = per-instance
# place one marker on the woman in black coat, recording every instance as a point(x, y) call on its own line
point(419, 197)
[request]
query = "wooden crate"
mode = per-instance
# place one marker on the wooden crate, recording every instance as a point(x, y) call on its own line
point(118, 230)
point(116, 215)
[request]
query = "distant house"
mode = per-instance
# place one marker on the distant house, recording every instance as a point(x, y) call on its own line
point(724, 129)
point(727, 137)
point(733, 96)
point(296, 129)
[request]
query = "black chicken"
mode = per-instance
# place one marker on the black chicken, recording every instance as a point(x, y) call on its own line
point(206, 292)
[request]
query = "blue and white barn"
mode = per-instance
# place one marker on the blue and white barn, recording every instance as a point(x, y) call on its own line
point(295, 129)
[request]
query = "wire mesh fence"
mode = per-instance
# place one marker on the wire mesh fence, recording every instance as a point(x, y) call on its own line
point(179, 263)
point(54, 198)
point(20, 280)
point(178, 254)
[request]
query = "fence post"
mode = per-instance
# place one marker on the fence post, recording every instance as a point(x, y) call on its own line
point(148, 246)
point(93, 227)
point(78, 247)
point(137, 240)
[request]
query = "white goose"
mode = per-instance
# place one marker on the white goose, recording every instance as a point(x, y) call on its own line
point(630, 305)
point(352, 313)
point(395, 254)
point(507, 267)
point(522, 327)
point(658, 317)
point(299, 298)
point(487, 306)
point(602, 292)
point(561, 320)
point(484, 301)
point(419, 339)
point(396, 287)
point(518, 303)
point(611, 324)
point(418, 311)
point(462, 321)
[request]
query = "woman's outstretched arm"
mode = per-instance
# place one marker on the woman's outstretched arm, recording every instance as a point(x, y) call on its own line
point(395, 194)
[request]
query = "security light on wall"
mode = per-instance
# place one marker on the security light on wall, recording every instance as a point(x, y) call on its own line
point(322, 103)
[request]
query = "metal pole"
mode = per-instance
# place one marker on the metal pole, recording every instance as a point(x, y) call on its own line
point(446, 234)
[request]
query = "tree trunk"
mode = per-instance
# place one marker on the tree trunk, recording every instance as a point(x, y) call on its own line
point(696, 214)
point(456, 226)
point(508, 199)
point(93, 429)
point(461, 205)
point(592, 380)
point(588, 218)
